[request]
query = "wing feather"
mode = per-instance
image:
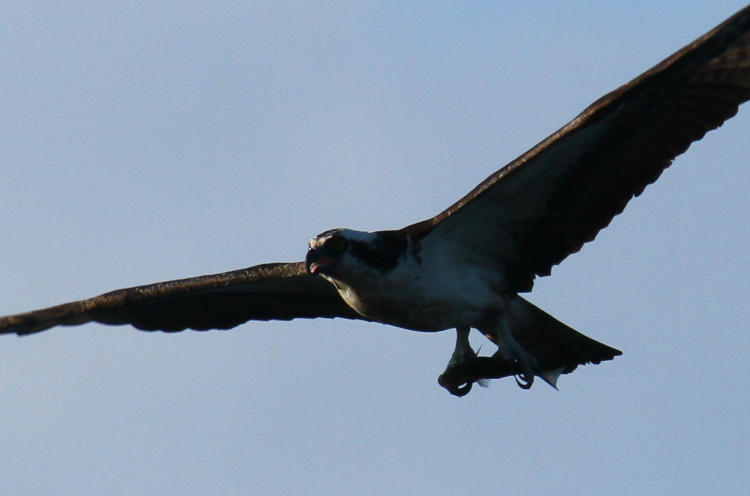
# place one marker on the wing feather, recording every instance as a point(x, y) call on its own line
point(543, 206)
point(277, 291)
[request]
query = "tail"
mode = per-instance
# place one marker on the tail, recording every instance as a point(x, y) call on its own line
point(557, 348)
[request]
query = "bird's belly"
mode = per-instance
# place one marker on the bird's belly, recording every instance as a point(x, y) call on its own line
point(420, 306)
point(417, 315)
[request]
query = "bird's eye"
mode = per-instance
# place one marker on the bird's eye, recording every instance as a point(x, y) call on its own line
point(337, 244)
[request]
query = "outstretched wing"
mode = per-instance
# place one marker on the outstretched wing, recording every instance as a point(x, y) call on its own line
point(277, 291)
point(546, 204)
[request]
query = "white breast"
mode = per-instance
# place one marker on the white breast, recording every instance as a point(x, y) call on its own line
point(438, 289)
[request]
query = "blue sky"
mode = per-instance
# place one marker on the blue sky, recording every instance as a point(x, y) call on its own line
point(142, 143)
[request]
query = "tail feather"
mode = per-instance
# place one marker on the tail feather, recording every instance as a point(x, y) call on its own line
point(558, 348)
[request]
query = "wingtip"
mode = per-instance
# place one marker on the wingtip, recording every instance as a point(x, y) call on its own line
point(23, 324)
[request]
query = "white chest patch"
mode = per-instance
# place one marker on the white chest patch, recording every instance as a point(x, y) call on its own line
point(432, 292)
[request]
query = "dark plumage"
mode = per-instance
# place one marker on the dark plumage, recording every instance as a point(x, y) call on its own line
point(515, 225)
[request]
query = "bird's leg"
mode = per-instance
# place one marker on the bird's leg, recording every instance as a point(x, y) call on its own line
point(461, 354)
point(463, 350)
point(508, 347)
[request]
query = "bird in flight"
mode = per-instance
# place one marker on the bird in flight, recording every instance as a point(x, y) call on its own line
point(465, 267)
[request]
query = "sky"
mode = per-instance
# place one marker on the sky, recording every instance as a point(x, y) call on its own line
point(142, 142)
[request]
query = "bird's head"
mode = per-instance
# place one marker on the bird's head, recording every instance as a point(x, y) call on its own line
point(330, 252)
point(344, 253)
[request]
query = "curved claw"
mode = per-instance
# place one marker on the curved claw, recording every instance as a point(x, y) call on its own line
point(527, 364)
point(461, 390)
point(524, 381)
point(455, 388)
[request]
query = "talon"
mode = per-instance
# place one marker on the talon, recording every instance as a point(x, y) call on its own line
point(527, 363)
point(523, 381)
point(455, 388)
point(462, 354)
point(461, 390)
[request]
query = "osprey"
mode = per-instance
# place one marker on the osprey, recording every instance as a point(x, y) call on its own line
point(465, 267)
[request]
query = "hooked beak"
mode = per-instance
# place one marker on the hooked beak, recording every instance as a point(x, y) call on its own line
point(315, 261)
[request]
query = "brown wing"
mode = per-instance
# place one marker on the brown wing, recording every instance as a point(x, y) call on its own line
point(547, 203)
point(277, 291)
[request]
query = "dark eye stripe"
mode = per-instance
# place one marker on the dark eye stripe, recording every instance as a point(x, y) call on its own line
point(336, 243)
point(384, 254)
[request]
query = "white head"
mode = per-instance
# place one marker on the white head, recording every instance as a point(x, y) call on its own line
point(344, 254)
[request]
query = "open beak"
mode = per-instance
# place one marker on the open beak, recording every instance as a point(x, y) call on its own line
point(315, 261)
